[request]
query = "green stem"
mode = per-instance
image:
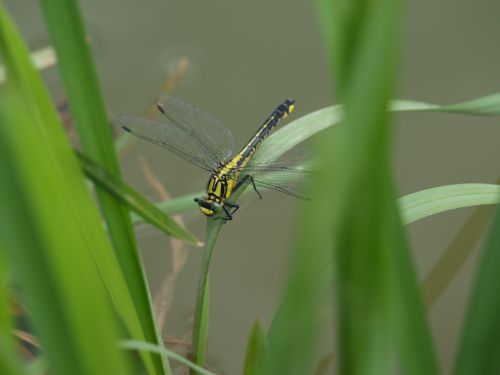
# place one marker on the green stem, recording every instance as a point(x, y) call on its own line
point(201, 311)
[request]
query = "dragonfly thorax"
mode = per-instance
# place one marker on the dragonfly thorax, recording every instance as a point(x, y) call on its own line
point(219, 188)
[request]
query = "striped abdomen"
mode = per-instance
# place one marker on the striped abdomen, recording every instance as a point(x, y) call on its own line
point(283, 110)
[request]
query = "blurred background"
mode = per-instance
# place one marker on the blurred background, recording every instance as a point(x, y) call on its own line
point(244, 58)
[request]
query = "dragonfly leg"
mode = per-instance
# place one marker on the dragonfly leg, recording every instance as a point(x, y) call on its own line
point(235, 207)
point(254, 187)
point(245, 180)
point(228, 214)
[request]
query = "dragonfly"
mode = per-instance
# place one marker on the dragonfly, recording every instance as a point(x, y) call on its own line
point(201, 139)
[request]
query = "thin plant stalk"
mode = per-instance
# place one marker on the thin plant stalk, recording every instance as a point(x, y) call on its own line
point(201, 315)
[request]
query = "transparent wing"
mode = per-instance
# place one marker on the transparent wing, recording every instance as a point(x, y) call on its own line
point(186, 131)
point(209, 133)
point(290, 173)
point(291, 182)
point(169, 136)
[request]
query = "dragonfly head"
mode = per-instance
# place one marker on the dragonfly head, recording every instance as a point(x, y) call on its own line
point(207, 208)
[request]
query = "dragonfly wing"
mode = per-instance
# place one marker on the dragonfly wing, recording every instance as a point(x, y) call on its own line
point(202, 127)
point(171, 137)
point(290, 173)
point(291, 182)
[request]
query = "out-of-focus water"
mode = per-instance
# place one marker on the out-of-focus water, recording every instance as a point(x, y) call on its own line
point(246, 57)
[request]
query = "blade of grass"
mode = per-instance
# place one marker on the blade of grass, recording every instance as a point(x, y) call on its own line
point(378, 298)
point(432, 201)
point(202, 326)
point(40, 222)
point(257, 350)
point(78, 72)
point(146, 346)
point(50, 132)
point(147, 210)
point(201, 312)
point(480, 342)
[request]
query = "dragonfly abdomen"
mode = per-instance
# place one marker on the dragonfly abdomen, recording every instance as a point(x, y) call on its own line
point(282, 111)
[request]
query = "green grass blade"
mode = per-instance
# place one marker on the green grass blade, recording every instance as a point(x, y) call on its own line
point(201, 313)
point(146, 346)
point(44, 234)
point(378, 298)
point(202, 326)
point(257, 350)
point(486, 105)
point(135, 201)
point(36, 98)
point(78, 72)
point(480, 343)
point(432, 201)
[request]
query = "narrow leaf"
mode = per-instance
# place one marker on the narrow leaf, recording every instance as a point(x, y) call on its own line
point(201, 313)
point(66, 29)
point(147, 210)
point(146, 346)
point(257, 350)
point(432, 201)
point(68, 182)
point(42, 218)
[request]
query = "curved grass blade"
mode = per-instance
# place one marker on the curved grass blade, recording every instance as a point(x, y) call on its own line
point(84, 96)
point(147, 210)
point(148, 347)
point(42, 218)
point(71, 185)
point(432, 201)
